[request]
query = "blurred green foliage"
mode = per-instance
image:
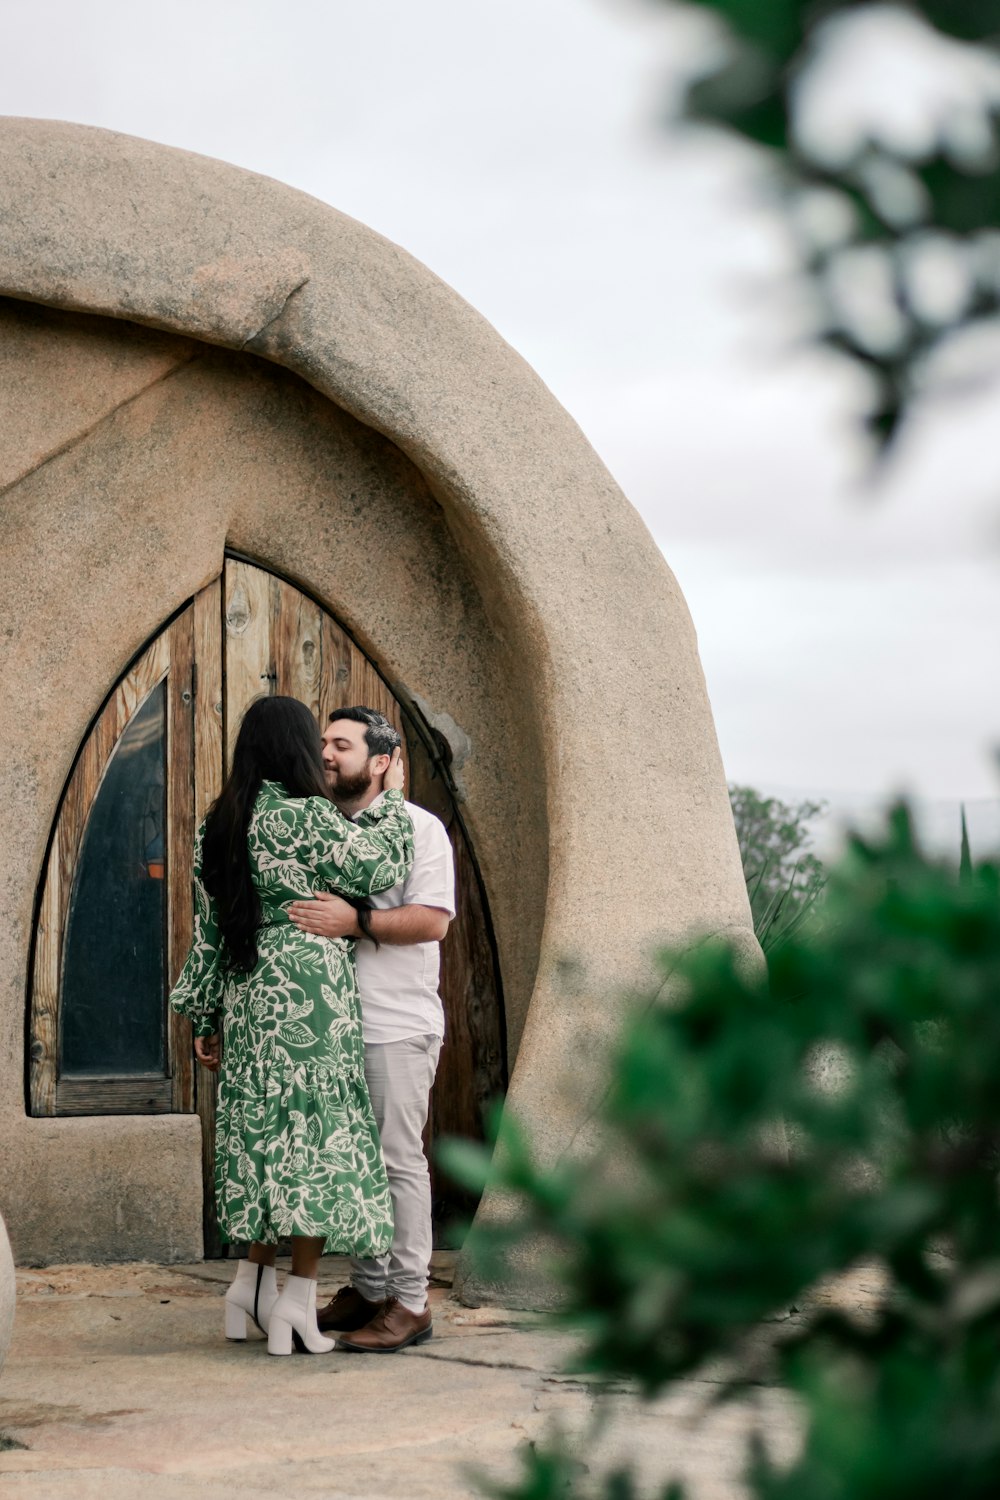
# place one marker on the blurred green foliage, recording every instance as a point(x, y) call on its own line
point(783, 877)
point(764, 1132)
point(893, 195)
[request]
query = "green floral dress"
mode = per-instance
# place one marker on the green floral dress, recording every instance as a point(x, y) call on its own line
point(296, 1149)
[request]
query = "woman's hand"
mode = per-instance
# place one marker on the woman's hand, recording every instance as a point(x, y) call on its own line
point(208, 1052)
point(393, 780)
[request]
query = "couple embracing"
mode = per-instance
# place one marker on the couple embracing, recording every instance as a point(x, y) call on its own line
point(320, 899)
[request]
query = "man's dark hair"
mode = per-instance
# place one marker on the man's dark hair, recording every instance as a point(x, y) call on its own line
point(380, 737)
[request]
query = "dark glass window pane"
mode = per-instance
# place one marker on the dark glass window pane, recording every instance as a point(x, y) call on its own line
point(113, 993)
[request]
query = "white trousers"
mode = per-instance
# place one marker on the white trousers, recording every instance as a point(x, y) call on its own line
point(400, 1076)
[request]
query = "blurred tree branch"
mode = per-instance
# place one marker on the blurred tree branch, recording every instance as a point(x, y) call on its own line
point(909, 213)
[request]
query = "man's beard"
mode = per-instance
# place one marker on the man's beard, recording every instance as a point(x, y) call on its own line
point(347, 788)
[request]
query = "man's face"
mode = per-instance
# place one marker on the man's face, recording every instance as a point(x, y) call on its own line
point(349, 767)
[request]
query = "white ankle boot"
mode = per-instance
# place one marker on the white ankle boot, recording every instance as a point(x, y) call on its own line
point(293, 1318)
point(253, 1293)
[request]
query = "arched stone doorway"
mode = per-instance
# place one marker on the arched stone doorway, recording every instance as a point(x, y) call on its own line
point(114, 921)
point(194, 356)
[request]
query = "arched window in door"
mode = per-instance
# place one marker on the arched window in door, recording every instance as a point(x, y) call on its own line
point(114, 963)
point(114, 919)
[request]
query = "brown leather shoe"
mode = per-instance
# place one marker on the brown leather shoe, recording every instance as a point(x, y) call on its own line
point(391, 1329)
point(346, 1311)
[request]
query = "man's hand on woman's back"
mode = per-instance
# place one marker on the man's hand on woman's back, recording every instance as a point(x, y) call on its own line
point(326, 915)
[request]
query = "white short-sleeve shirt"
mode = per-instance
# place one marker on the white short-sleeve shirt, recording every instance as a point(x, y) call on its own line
point(398, 983)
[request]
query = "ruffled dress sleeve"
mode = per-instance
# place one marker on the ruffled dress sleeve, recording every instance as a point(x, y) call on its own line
point(199, 990)
point(357, 859)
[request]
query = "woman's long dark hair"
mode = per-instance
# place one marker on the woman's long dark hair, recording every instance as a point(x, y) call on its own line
point(278, 741)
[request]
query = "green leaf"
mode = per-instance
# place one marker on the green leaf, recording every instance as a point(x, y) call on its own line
point(745, 95)
point(970, 20)
point(776, 26)
point(466, 1161)
point(961, 201)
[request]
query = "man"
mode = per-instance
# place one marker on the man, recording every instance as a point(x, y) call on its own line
point(385, 1308)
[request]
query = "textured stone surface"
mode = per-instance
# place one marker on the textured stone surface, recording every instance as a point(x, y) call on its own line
point(7, 1294)
point(107, 1188)
point(61, 375)
point(595, 663)
point(119, 1383)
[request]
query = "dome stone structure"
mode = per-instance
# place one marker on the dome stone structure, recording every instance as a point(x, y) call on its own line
point(248, 442)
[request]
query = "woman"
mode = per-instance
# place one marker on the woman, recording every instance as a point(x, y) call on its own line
point(297, 1150)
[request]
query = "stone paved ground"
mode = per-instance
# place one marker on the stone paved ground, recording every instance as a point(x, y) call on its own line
point(120, 1384)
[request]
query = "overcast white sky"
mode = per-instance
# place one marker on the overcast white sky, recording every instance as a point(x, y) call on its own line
point(849, 637)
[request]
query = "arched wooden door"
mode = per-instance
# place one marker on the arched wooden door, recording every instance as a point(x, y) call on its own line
point(146, 775)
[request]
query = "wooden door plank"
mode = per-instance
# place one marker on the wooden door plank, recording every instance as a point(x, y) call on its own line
point(208, 702)
point(44, 1046)
point(296, 633)
point(150, 669)
point(83, 788)
point(470, 1075)
point(137, 1094)
point(335, 668)
point(249, 657)
point(208, 773)
point(179, 844)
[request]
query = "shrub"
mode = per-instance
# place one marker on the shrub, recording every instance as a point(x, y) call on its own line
point(762, 1135)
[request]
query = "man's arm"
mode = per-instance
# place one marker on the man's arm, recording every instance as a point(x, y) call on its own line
point(330, 916)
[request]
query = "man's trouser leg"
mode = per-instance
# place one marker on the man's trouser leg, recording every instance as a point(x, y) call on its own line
point(400, 1075)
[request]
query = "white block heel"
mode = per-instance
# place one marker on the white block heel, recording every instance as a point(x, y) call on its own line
point(236, 1323)
point(279, 1337)
point(252, 1294)
point(293, 1320)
